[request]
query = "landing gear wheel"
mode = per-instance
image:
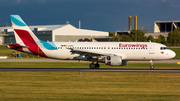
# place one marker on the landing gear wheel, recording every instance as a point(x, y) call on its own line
point(97, 66)
point(152, 67)
point(92, 66)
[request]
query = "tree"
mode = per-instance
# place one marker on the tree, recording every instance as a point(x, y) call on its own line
point(161, 39)
point(115, 39)
point(150, 38)
point(125, 38)
point(86, 39)
point(111, 33)
point(119, 38)
point(174, 37)
point(138, 36)
point(80, 40)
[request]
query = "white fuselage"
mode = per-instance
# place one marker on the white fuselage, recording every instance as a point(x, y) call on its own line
point(127, 50)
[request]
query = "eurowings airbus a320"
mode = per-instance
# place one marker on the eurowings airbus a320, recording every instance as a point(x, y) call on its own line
point(110, 53)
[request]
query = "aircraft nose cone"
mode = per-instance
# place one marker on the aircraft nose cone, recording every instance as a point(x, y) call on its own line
point(173, 54)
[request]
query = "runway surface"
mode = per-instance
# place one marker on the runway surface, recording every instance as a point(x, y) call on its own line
point(90, 70)
point(54, 60)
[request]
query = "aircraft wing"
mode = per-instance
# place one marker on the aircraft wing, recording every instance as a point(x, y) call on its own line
point(90, 54)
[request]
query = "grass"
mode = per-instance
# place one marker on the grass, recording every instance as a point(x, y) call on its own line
point(84, 65)
point(4, 51)
point(90, 86)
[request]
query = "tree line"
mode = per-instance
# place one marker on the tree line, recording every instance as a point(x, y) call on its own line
point(138, 36)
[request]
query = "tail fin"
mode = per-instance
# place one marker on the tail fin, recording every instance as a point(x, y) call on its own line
point(22, 31)
point(25, 37)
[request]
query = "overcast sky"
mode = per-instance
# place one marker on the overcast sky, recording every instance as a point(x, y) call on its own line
point(103, 15)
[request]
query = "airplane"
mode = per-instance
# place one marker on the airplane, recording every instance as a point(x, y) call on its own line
point(110, 53)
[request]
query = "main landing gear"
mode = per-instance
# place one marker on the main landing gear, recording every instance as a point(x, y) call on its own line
point(94, 66)
point(152, 66)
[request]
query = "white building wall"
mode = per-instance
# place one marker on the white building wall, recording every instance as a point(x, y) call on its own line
point(156, 27)
point(1, 40)
point(72, 31)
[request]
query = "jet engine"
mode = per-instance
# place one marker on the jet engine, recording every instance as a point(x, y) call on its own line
point(115, 61)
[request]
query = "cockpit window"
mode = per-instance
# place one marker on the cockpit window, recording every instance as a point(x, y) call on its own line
point(163, 48)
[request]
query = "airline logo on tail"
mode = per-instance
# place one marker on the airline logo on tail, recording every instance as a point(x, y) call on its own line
point(26, 35)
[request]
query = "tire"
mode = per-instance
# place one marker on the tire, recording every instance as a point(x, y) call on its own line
point(92, 66)
point(97, 66)
point(151, 67)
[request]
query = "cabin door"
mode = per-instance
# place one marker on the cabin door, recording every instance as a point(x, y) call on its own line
point(151, 49)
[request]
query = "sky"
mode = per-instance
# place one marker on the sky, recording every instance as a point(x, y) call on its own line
point(101, 15)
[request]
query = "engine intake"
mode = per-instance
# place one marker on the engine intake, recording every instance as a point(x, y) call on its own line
point(115, 61)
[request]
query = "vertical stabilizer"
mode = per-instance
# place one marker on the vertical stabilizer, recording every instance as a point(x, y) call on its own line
point(24, 36)
point(22, 31)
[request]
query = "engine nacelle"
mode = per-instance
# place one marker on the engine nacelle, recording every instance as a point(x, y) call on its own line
point(115, 61)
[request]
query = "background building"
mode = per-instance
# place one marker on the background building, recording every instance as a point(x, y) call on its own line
point(160, 28)
point(65, 32)
point(70, 33)
point(1, 37)
point(165, 26)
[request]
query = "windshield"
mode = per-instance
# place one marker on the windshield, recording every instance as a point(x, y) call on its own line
point(163, 48)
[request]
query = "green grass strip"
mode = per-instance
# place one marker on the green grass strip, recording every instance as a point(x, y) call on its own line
point(90, 86)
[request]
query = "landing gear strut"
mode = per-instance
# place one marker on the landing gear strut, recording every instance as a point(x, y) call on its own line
point(94, 66)
point(152, 67)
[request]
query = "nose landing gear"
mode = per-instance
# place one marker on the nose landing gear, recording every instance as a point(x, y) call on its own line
point(152, 66)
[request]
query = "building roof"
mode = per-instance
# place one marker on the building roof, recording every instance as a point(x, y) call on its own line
point(39, 28)
point(165, 21)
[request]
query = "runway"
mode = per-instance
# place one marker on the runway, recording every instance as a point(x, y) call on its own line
point(90, 70)
point(54, 60)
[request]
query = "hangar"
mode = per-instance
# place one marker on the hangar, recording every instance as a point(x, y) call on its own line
point(65, 32)
point(165, 26)
point(70, 33)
